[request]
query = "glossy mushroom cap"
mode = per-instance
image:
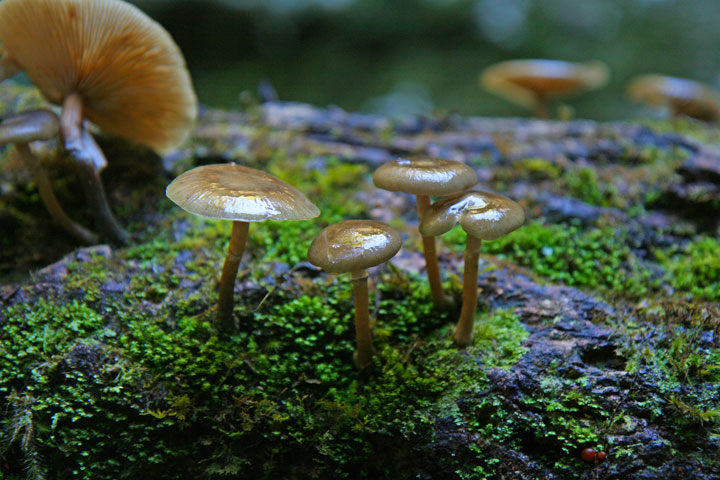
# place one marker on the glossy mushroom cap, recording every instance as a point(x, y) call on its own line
point(129, 72)
point(522, 81)
point(424, 176)
point(353, 245)
point(687, 97)
point(484, 215)
point(233, 192)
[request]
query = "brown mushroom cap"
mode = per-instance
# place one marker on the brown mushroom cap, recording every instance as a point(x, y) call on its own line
point(484, 215)
point(233, 192)
point(424, 176)
point(522, 81)
point(689, 97)
point(129, 72)
point(353, 245)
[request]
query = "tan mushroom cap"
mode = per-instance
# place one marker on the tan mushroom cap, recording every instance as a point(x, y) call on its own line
point(688, 97)
point(128, 70)
point(424, 176)
point(233, 192)
point(522, 81)
point(353, 245)
point(484, 215)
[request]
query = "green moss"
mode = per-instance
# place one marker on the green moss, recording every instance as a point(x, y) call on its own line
point(560, 419)
point(694, 268)
point(532, 168)
point(596, 258)
point(83, 385)
point(584, 185)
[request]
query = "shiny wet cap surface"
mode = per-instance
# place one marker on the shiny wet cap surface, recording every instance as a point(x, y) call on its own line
point(485, 215)
point(233, 192)
point(424, 176)
point(354, 245)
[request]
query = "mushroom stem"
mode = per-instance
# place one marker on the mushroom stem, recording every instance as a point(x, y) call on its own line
point(88, 160)
point(541, 108)
point(431, 261)
point(50, 200)
point(224, 320)
point(463, 335)
point(364, 349)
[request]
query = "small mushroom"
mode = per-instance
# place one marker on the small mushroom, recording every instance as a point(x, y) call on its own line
point(531, 83)
point(26, 127)
point(679, 95)
point(425, 176)
point(484, 216)
point(106, 61)
point(243, 195)
point(353, 246)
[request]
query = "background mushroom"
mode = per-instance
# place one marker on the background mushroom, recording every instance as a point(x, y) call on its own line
point(679, 95)
point(23, 128)
point(243, 195)
point(353, 246)
point(425, 176)
point(531, 83)
point(106, 61)
point(484, 216)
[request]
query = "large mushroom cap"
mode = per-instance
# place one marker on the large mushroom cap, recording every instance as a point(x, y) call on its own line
point(233, 192)
point(353, 245)
point(484, 215)
point(685, 96)
point(522, 81)
point(424, 176)
point(129, 72)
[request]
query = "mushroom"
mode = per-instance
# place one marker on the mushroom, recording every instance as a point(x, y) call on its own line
point(105, 61)
point(353, 246)
point(243, 195)
point(26, 127)
point(681, 96)
point(484, 216)
point(425, 176)
point(530, 83)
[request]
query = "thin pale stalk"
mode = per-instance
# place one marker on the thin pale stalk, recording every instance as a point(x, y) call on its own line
point(84, 153)
point(224, 320)
point(431, 259)
point(464, 330)
point(542, 107)
point(47, 195)
point(364, 349)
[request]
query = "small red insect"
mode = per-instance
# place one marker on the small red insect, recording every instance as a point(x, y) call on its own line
point(592, 456)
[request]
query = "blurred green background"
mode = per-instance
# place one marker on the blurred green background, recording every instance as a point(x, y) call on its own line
point(402, 57)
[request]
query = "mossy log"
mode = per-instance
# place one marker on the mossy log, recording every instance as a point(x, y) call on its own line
point(598, 322)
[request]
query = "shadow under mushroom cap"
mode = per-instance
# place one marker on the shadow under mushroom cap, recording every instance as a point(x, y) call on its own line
point(484, 215)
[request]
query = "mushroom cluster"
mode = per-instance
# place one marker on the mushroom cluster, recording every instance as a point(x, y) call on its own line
point(483, 216)
point(104, 61)
point(423, 177)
